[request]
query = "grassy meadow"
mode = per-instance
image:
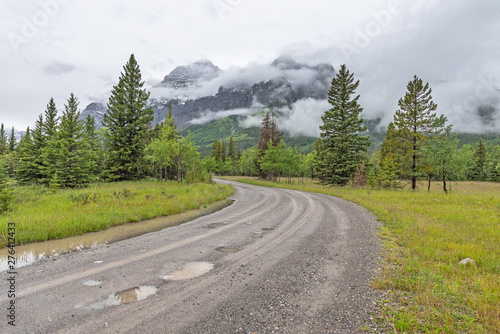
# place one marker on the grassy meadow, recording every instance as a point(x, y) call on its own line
point(40, 214)
point(425, 236)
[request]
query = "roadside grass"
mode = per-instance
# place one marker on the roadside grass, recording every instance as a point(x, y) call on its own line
point(424, 237)
point(40, 214)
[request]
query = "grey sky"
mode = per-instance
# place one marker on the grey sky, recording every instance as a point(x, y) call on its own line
point(51, 48)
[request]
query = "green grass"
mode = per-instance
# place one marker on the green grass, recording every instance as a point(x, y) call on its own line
point(425, 236)
point(40, 214)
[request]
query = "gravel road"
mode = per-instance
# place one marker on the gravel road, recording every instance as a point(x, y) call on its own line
point(275, 261)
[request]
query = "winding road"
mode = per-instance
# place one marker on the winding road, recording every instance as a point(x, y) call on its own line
point(275, 261)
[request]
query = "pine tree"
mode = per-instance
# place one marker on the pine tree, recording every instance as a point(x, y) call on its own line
point(72, 163)
point(6, 195)
point(26, 156)
point(230, 149)
point(342, 146)
point(269, 132)
point(12, 141)
point(50, 150)
point(51, 120)
point(480, 162)
point(3, 141)
point(127, 121)
point(39, 144)
point(415, 122)
point(92, 144)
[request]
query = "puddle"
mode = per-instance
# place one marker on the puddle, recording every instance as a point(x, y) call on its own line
point(190, 270)
point(92, 283)
point(215, 225)
point(268, 229)
point(227, 250)
point(30, 253)
point(124, 297)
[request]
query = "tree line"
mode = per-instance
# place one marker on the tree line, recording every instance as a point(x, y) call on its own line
point(65, 151)
point(419, 145)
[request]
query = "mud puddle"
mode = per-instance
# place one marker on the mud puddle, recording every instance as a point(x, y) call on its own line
point(191, 270)
point(124, 297)
point(30, 253)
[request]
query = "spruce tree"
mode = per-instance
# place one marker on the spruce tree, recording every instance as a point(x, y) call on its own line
point(51, 120)
point(72, 163)
point(92, 144)
point(26, 156)
point(268, 132)
point(39, 143)
point(12, 141)
point(342, 146)
point(3, 141)
point(230, 149)
point(415, 123)
point(480, 162)
point(128, 120)
point(50, 149)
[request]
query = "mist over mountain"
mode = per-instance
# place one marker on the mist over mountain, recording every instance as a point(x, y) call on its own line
point(201, 92)
point(296, 93)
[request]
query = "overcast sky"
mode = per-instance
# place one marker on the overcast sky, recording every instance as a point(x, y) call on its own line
point(50, 48)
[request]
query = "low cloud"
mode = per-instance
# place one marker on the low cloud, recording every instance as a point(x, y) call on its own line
point(58, 68)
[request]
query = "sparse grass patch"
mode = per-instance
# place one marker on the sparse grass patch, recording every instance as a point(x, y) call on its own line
point(42, 215)
point(425, 236)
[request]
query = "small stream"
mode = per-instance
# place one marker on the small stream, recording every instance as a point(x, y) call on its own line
point(30, 253)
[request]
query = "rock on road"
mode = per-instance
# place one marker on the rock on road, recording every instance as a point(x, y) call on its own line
point(278, 261)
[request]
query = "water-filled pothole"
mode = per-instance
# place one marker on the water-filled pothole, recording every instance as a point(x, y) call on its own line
point(92, 283)
point(125, 297)
point(227, 249)
point(190, 270)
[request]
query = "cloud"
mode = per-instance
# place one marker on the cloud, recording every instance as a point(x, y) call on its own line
point(210, 116)
point(58, 68)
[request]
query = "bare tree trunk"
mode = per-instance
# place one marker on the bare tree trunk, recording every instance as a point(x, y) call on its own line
point(444, 184)
point(429, 185)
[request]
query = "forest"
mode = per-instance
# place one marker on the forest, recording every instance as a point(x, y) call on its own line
point(63, 151)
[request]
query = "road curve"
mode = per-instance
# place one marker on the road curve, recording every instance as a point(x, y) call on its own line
point(284, 261)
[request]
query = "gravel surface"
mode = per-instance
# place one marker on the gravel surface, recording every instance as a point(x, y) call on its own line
point(284, 261)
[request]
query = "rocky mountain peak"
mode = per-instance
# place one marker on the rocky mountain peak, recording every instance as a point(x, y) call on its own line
point(191, 75)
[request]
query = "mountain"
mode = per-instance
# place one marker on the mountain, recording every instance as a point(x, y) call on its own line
point(285, 82)
point(188, 76)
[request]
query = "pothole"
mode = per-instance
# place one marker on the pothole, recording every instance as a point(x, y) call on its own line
point(227, 249)
point(268, 229)
point(92, 283)
point(125, 297)
point(190, 270)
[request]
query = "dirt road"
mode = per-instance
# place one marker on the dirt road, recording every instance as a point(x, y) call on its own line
point(276, 261)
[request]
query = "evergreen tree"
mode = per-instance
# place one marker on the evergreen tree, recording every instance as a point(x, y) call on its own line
point(72, 163)
point(12, 141)
point(26, 156)
point(93, 144)
point(39, 143)
point(415, 122)
point(230, 149)
point(479, 170)
point(269, 132)
point(127, 121)
point(3, 141)
point(6, 196)
point(51, 120)
point(342, 146)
